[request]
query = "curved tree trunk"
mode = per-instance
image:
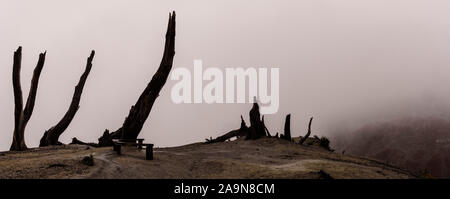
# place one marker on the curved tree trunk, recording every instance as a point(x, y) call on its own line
point(307, 134)
point(22, 116)
point(138, 114)
point(51, 136)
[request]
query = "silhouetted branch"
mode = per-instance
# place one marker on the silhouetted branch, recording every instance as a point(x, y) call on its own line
point(307, 134)
point(29, 107)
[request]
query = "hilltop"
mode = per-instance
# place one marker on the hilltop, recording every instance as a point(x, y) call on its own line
point(262, 158)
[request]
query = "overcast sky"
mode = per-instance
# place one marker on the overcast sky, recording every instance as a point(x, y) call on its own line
point(341, 61)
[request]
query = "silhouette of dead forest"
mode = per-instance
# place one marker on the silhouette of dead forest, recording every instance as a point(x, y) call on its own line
point(138, 113)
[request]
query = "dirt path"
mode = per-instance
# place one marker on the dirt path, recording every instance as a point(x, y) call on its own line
point(105, 166)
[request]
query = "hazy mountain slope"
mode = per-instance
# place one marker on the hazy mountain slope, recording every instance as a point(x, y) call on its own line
point(417, 144)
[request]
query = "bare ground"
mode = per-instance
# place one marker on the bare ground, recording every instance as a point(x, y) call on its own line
point(263, 158)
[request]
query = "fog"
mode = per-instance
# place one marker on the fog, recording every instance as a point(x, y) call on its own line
point(345, 62)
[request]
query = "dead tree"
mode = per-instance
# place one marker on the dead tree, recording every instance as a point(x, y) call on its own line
point(257, 129)
point(242, 131)
point(138, 114)
point(51, 136)
point(76, 141)
point(287, 128)
point(265, 128)
point(106, 138)
point(23, 115)
point(304, 138)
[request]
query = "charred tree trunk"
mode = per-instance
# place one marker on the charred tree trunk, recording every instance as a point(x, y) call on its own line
point(265, 128)
point(22, 116)
point(51, 136)
point(106, 139)
point(138, 114)
point(243, 125)
point(234, 133)
point(303, 139)
point(287, 128)
point(76, 141)
point(227, 136)
point(256, 129)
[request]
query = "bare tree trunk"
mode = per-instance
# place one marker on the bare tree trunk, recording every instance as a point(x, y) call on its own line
point(138, 114)
point(22, 116)
point(265, 128)
point(225, 137)
point(242, 131)
point(287, 128)
point(76, 141)
point(256, 129)
point(307, 134)
point(106, 138)
point(51, 136)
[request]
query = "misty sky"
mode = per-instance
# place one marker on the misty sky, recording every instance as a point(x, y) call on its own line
point(341, 61)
